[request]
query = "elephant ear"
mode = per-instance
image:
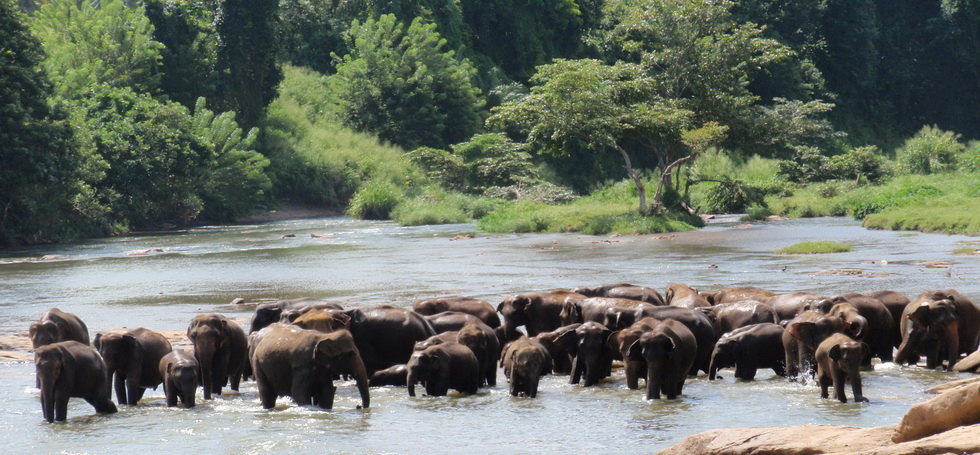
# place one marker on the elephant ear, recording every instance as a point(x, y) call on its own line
point(920, 316)
point(613, 341)
point(570, 312)
point(568, 340)
point(135, 349)
point(635, 351)
point(835, 352)
point(804, 331)
point(97, 342)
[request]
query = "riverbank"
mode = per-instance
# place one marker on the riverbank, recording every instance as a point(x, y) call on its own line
point(948, 423)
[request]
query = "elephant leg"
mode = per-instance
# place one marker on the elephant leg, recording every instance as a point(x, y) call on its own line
point(119, 383)
point(234, 380)
point(136, 394)
point(102, 405)
point(532, 386)
point(491, 376)
point(301, 391)
point(60, 406)
point(839, 385)
point(324, 397)
point(266, 395)
point(632, 375)
point(825, 383)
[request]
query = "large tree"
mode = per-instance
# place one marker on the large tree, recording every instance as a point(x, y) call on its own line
point(399, 83)
point(38, 172)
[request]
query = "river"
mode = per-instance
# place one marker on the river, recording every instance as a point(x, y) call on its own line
point(201, 270)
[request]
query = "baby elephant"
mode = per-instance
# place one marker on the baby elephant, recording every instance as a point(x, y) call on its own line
point(525, 361)
point(840, 357)
point(71, 369)
point(179, 372)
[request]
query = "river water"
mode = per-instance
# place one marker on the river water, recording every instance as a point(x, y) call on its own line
point(367, 263)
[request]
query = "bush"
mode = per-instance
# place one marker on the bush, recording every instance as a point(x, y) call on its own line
point(374, 201)
point(969, 161)
point(860, 161)
point(732, 196)
point(545, 192)
point(931, 150)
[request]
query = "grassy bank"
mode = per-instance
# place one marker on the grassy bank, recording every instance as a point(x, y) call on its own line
point(948, 203)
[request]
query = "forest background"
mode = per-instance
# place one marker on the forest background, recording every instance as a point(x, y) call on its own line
point(599, 116)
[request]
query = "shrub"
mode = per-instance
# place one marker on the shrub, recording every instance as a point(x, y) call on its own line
point(931, 150)
point(374, 201)
point(860, 161)
point(969, 160)
point(731, 196)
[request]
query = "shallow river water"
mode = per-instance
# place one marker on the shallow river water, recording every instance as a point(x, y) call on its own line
point(368, 263)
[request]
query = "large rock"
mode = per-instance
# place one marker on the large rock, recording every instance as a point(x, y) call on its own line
point(970, 364)
point(951, 409)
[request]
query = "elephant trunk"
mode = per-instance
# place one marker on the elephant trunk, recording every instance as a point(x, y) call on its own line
point(410, 381)
point(593, 369)
point(655, 373)
point(952, 343)
point(909, 343)
point(205, 351)
point(188, 387)
point(47, 384)
point(360, 375)
point(713, 369)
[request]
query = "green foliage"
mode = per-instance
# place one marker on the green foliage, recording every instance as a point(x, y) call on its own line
point(437, 206)
point(190, 42)
point(374, 201)
point(441, 166)
point(810, 165)
point(237, 182)
point(931, 150)
point(545, 192)
point(820, 247)
point(40, 162)
point(969, 160)
point(108, 45)
point(247, 57)
point(731, 196)
point(860, 162)
point(951, 215)
point(400, 84)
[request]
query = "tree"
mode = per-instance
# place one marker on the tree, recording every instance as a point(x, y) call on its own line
point(190, 42)
point(246, 59)
point(609, 107)
point(38, 177)
point(88, 45)
point(400, 84)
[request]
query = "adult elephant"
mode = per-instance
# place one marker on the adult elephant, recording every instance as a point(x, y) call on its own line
point(669, 350)
point(682, 295)
point(386, 335)
point(748, 349)
point(699, 324)
point(623, 291)
point(802, 336)
point(302, 364)
point(941, 325)
point(738, 294)
point(71, 369)
point(133, 358)
point(481, 339)
point(469, 305)
point(450, 320)
point(179, 372)
point(621, 342)
point(442, 367)
point(221, 349)
point(537, 312)
point(525, 361)
point(322, 321)
point(614, 313)
point(592, 356)
point(895, 302)
point(728, 316)
point(55, 326)
point(790, 305)
point(869, 321)
point(268, 313)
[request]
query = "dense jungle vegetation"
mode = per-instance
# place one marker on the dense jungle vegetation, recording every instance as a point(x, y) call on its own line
point(543, 115)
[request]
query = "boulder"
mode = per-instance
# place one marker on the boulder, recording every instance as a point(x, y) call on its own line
point(968, 364)
point(951, 409)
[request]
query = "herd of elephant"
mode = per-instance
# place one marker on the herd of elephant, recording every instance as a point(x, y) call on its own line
point(298, 348)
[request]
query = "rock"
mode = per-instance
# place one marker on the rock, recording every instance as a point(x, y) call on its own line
point(321, 236)
point(288, 236)
point(804, 439)
point(970, 364)
point(52, 257)
point(951, 409)
point(144, 252)
point(238, 301)
point(960, 440)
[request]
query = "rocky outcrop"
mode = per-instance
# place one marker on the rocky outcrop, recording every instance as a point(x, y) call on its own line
point(948, 423)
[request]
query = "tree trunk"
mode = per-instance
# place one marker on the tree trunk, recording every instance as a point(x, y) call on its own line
point(636, 179)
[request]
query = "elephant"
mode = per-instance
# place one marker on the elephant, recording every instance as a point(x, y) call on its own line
point(525, 361)
point(133, 357)
point(802, 336)
point(669, 350)
point(561, 358)
point(481, 339)
point(623, 291)
point(179, 372)
point(450, 320)
point(895, 302)
point(748, 349)
point(737, 294)
point(621, 342)
point(790, 305)
point(537, 312)
point(445, 366)
point(699, 324)
point(592, 356)
point(268, 313)
point(728, 316)
point(299, 363)
point(221, 349)
point(71, 369)
point(479, 308)
point(608, 311)
point(941, 325)
point(322, 321)
point(396, 375)
point(682, 295)
point(839, 357)
point(385, 335)
point(869, 321)
point(56, 325)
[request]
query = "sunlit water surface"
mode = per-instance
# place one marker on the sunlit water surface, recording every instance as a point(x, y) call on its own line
point(368, 263)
